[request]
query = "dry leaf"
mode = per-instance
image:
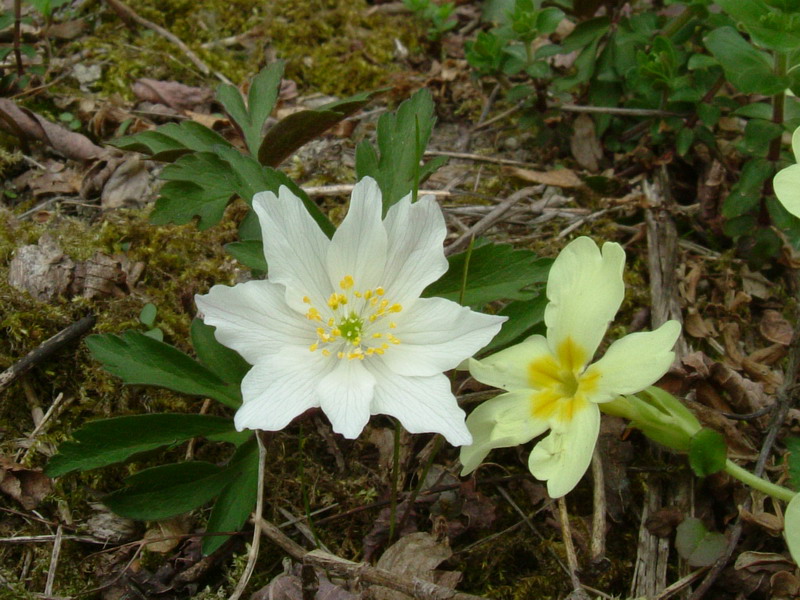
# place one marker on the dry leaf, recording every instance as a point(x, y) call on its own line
point(414, 555)
point(784, 586)
point(127, 186)
point(26, 486)
point(171, 93)
point(775, 328)
point(772, 523)
point(584, 145)
point(69, 143)
point(166, 535)
point(564, 178)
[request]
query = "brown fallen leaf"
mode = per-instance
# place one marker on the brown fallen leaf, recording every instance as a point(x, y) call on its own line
point(584, 145)
point(128, 185)
point(27, 124)
point(166, 535)
point(564, 178)
point(26, 486)
point(775, 328)
point(784, 586)
point(290, 587)
point(171, 93)
point(414, 555)
point(773, 524)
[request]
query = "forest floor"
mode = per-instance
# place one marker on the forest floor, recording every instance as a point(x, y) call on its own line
point(495, 534)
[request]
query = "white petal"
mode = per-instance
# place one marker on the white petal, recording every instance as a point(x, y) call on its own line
point(358, 247)
point(279, 388)
point(501, 422)
point(345, 396)
point(436, 335)
point(415, 255)
point(254, 319)
point(562, 458)
point(585, 290)
point(294, 247)
point(633, 362)
point(791, 527)
point(421, 404)
point(509, 369)
point(787, 188)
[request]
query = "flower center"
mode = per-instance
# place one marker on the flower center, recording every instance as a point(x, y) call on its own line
point(358, 323)
point(561, 383)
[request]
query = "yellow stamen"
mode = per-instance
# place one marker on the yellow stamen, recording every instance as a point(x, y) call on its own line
point(346, 283)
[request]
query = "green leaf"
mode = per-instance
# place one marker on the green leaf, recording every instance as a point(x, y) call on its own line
point(793, 460)
point(148, 314)
point(168, 490)
point(171, 141)
point(495, 272)
point(395, 165)
point(707, 452)
point(261, 100)
point(249, 253)
point(224, 362)
point(202, 184)
point(197, 186)
point(746, 194)
point(301, 127)
point(745, 67)
point(141, 360)
point(523, 318)
point(108, 441)
point(698, 546)
point(237, 499)
point(791, 528)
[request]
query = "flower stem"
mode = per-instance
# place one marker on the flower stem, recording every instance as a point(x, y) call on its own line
point(395, 482)
point(757, 483)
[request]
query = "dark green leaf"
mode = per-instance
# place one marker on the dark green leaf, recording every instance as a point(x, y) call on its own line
point(707, 452)
point(745, 67)
point(261, 100)
point(237, 499)
point(141, 360)
point(495, 272)
point(698, 546)
point(171, 141)
point(224, 362)
point(197, 185)
point(108, 441)
point(168, 490)
point(301, 127)
point(523, 318)
point(396, 163)
point(249, 253)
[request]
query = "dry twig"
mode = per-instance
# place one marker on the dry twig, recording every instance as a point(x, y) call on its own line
point(46, 350)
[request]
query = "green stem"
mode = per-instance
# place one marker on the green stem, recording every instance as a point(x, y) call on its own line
point(778, 104)
point(757, 483)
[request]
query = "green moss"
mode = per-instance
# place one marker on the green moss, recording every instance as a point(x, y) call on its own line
point(337, 47)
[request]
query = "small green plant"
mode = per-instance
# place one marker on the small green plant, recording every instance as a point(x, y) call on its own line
point(437, 15)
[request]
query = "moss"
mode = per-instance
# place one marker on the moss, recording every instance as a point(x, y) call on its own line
point(337, 47)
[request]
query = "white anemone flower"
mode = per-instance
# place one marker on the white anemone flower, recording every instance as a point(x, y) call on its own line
point(550, 381)
point(339, 324)
point(787, 181)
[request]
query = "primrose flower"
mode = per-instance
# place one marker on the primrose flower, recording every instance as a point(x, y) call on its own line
point(550, 382)
point(787, 181)
point(339, 323)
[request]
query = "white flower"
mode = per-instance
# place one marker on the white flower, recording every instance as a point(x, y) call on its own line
point(787, 181)
point(550, 381)
point(339, 323)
